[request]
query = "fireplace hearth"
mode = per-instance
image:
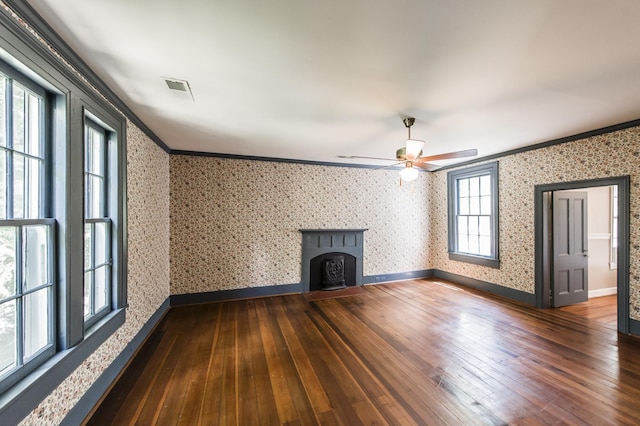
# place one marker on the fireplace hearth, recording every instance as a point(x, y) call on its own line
point(331, 258)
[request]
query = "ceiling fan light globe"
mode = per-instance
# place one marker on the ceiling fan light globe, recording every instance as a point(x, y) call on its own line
point(414, 148)
point(408, 174)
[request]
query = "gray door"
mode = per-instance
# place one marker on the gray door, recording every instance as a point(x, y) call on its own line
point(570, 280)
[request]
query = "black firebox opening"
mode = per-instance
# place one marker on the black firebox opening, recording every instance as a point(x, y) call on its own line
point(332, 271)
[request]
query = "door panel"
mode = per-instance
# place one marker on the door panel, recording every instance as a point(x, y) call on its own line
point(570, 278)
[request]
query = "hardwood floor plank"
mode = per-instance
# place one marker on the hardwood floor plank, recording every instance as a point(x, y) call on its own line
point(265, 400)
point(247, 399)
point(389, 408)
point(181, 401)
point(286, 389)
point(412, 352)
point(339, 386)
point(218, 404)
point(203, 411)
point(408, 386)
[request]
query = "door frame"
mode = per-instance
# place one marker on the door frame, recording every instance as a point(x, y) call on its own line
point(542, 285)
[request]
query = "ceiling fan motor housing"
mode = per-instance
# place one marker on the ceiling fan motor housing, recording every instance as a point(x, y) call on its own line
point(408, 121)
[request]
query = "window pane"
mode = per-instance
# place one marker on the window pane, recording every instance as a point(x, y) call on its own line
point(485, 185)
point(473, 225)
point(485, 226)
point(3, 184)
point(474, 245)
point(95, 152)
point(33, 140)
point(36, 322)
point(101, 243)
point(7, 261)
point(88, 243)
point(485, 205)
point(18, 186)
point(3, 118)
point(474, 186)
point(101, 276)
point(474, 205)
point(7, 335)
point(463, 206)
point(33, 173)
point(35, 256)
point(94, 197)
point(18, 117)
point(88, 286)
point(485, 246)
point(463, 187)
point(463, 243)
point(462, 225)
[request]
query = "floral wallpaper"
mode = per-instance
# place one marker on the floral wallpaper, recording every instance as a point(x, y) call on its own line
point(610, 155)
point(148, 277)
point(234, 223)
point(200, 224)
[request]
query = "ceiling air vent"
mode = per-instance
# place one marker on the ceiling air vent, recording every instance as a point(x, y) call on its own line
point(180, 87)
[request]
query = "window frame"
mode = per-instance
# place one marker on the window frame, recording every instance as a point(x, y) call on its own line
point(104, 217)
point(453, 177)
point(23, 365)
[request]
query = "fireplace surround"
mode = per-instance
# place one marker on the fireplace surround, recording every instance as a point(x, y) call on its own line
point(318, 244)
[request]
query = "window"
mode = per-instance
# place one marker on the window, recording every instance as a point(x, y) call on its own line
point(613, 249)
point(473, 214)
point(97, 225)
point(26, 233)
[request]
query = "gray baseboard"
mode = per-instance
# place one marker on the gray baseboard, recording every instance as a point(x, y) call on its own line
point(241, 293)
point(398, 276)
point(100, 387)
point(634, 327)
point(520, 296)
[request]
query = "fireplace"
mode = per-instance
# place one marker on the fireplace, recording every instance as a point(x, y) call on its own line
point(331, 258)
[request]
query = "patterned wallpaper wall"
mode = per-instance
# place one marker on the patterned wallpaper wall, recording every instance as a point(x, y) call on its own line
point(148, 277)
point(234, 223)
point(610, 155)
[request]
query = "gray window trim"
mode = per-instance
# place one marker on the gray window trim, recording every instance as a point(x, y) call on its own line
point(452, 178)
point(70, 99)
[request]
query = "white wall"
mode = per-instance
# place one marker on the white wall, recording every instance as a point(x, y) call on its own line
point(599, 212)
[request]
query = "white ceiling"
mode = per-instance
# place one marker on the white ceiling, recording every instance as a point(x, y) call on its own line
point(312, 80)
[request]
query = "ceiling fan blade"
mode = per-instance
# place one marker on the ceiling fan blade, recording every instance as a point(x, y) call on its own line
point(427, 166)
point(367, 158)
point(449, 155)
point(390, 165)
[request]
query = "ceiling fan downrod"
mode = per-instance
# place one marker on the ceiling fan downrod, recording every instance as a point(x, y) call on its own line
point(408, 122)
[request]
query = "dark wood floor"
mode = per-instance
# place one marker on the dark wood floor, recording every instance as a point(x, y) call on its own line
point(412, 352)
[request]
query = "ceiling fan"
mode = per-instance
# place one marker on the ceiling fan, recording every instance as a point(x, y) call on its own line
point(411, 156)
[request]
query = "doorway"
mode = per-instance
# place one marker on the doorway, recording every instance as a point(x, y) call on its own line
point(544, 287)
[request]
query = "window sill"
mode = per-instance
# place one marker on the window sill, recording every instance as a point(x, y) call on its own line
point(476, 260)
point(24, 396)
